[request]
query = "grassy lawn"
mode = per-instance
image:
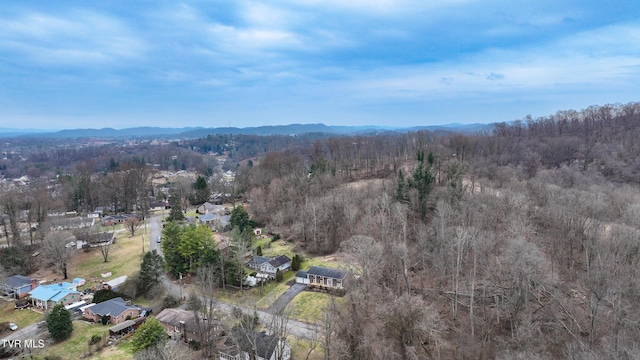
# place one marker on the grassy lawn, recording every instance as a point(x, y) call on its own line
point(309, 306)
point(260, 296)
point(300, 348)
point(275, 248)
point(124, 258)
point(77, 346)
point(22, 318)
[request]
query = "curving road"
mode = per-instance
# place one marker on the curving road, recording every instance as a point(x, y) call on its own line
point(296, 328)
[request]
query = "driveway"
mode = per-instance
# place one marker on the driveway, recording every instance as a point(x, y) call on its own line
point(284, 299)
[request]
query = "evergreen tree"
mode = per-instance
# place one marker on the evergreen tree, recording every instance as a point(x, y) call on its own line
point(173, 260)
point(296, 262)
point(176, 213)
point(259, 250)
point(422, 181)
point(193, 241)
point(201, 191)
point(150, 271)
point(59, 323)
point(279, 275)
point(240, 219)
point(148, 334)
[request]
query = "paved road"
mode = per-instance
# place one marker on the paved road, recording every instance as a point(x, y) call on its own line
point(29, 332)
point(284, 299)
point(296, 328)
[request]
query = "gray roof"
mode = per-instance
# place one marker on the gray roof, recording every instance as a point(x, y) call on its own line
point(257, 261)
point(301, 273)
point(114, 307)
point(95, 238)
point(173, 317)
point(265, 344)
point(17, 281)
point(279, 261)
point(123, 325)
point(327, 272)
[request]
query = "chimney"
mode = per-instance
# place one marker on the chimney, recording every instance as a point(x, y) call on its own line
point(34, 284)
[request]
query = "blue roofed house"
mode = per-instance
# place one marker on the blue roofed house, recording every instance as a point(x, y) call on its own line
point(18, 286)
point(46, 296)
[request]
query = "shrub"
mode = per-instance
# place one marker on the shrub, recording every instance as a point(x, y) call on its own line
point(194, 345)
point(95, 339)
point(170, 301)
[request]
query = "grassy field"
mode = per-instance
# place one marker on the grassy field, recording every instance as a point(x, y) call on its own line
point(300, 348)
point(309, 306)
point(260, 296)
point(77, 346)
point(124, 258)
point(22, 318)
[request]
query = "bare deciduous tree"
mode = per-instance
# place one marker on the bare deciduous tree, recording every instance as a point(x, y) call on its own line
point(56, 251)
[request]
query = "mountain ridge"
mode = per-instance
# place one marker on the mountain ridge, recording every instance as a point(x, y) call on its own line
point(196, 132)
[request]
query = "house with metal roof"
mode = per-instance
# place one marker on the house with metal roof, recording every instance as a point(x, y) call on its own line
point(117, 310)
point(45, 296)
point(322, 277)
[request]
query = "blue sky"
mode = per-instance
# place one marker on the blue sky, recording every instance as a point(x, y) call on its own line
point(94, 64)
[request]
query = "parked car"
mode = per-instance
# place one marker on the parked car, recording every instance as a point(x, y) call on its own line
point(159, 239)
point(13, 326)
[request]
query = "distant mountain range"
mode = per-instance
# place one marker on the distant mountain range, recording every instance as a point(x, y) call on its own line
point(196, 132)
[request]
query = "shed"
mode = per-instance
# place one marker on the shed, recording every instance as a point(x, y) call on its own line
point(122, 328)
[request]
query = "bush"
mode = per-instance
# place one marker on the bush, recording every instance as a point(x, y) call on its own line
point(194, 345)
point(105, 319)
point(170, 301)
point(95, 339)
point(105, 294)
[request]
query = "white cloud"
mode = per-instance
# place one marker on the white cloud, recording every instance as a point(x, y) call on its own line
point(78, 38)
point(569, 64)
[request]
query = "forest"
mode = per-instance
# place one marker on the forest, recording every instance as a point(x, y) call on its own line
point(519, 243)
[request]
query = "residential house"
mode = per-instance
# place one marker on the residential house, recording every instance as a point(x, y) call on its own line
point(58, 223)
point(159, 205)
point(115, 283)
point(46, 296)
point(210, 208)
point(282, 263)
point(117, 310)
point(215, 221)
point(258, 345)
point(110, 220)
point(182, 324)
point(19, 286)
point(207, 218)
point(256, 261)
point(95, 240)
point(322, 277)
